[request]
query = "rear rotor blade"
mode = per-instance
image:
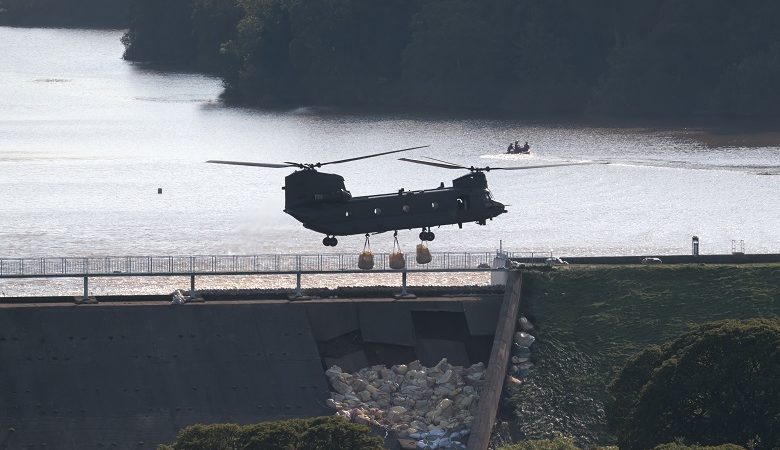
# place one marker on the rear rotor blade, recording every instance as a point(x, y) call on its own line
point(429, 163)
point(254, 164)
point(369, 156)
point(546, 165)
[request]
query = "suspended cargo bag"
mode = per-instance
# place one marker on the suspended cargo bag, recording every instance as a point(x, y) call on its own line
point(366, 258)
point(423, 254)
point(397, 260)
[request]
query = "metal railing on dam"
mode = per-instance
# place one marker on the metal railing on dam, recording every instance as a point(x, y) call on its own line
point(268, 264)
point(279, 264)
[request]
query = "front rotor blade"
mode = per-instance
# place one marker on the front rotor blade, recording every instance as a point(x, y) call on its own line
point(546, 165)
point(254, 164)
point(369, 156)
point(429, 163)
point(445, 162)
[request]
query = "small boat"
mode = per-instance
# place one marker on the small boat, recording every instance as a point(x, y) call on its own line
point(521, 151)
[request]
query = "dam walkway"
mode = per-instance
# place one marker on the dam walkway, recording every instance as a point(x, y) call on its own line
point(265, 264)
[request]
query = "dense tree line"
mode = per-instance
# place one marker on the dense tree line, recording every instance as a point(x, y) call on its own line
point(655, 57)
point(66, 13)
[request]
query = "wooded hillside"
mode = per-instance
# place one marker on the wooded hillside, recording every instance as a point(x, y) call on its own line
point(655, 57)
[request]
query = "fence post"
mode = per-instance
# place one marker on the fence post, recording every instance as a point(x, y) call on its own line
point(86, 286)
point(404, 293)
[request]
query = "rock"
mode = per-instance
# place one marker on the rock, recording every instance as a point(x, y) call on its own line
point(443, 409)
point(445, 378)
point(400, 369)
point(333, 371)
point(518, 359)
point(340, 386)
point(386, 374)
point(357, 384)
point(419, 425)
point(443, 391)
point(465, 401)
point(414, 365)
point(524, 339)
point(389, 387)
point(512, 381)
point(521, 351)
point(408, 443)
point(442, 366)
point(395, 413)
point(330, 403)
point(436, 432)
point(474, 378)
point(525, 324)
point(364, 396)
point(478, 367)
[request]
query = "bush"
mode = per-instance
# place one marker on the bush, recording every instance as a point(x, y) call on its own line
point(319, 433)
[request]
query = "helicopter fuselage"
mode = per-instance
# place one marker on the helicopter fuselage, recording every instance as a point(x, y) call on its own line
point(321, 203)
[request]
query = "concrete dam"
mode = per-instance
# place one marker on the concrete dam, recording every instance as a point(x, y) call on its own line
point(128, 373)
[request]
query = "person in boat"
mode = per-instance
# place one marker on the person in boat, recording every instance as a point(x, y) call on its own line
point(511, 148)
point(525, 148)
point(517, 146)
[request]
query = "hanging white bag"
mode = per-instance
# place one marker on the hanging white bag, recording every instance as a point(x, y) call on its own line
point(366, 258)
point(397, 260)
point(423, 254)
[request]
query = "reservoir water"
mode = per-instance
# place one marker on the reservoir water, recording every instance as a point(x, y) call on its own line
point(86, 139)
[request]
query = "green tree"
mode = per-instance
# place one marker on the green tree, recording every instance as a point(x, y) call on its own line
point(717, 383)
point(454, 55)
point(160, 32)
point(214, 24)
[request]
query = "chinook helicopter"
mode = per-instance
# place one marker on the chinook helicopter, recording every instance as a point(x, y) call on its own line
point(321, 202)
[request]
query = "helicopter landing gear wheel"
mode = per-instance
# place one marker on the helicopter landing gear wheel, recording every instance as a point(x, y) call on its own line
point(427, 235)
point(328, 241)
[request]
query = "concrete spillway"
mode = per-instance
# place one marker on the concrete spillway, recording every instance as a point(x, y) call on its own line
point(129, 375)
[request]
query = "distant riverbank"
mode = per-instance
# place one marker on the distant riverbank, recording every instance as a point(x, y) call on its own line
point(660, 58)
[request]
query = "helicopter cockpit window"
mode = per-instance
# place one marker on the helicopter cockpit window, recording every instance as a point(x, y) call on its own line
point(377, 211)
point(435, 205)
point(406, 208)
point(346, 213)
point(488, 196)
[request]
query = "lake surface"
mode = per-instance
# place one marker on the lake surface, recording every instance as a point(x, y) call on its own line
point(86, 139)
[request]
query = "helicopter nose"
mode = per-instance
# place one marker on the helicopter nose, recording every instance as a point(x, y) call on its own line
point(499, 207)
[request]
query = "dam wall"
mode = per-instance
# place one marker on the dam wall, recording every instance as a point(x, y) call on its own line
point(129, 375)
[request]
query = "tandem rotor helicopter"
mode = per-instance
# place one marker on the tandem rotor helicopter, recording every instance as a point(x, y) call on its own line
point(321, 202)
